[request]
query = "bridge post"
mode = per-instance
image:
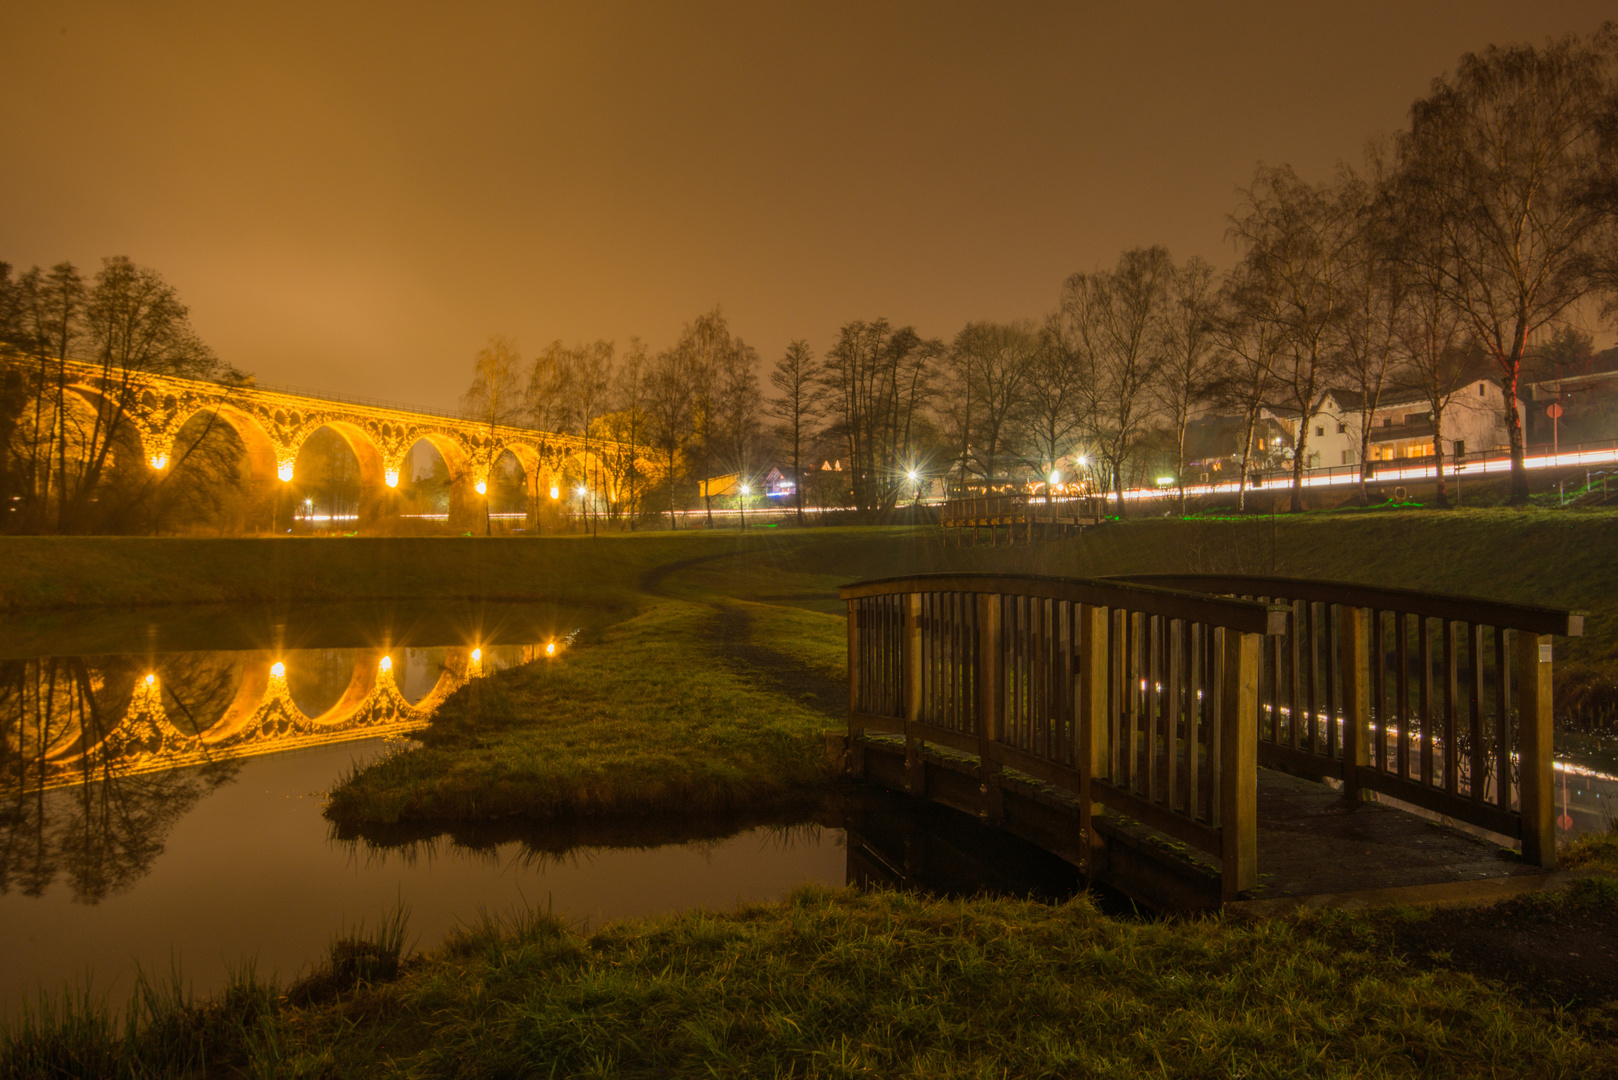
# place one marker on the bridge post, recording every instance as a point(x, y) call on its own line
point(1536, 784)
point(1089, 720)
point(1238, 751)
point(989, 701)
point(915, 775)
point(856, 753)
point(1355, 662)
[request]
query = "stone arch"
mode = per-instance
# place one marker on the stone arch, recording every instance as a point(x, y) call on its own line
point(465, 503)
point(368, 456)
point(258, 454)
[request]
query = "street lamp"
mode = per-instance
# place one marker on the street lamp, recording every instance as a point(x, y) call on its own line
point(745, 492)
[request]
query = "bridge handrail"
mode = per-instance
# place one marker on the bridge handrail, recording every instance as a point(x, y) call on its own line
point(1437, 700)
point(1133, 696)
point(1528, 617)
point(1245, 616)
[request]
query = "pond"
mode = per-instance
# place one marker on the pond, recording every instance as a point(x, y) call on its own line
point(163, 780)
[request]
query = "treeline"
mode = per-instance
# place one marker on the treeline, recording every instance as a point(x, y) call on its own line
point(1457, 249)
point(71, 463)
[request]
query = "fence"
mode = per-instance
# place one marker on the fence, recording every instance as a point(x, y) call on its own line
point(1129, 695)
point(1160, 696)
point(1443, 702)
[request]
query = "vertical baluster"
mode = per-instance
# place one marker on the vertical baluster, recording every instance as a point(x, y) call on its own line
point(1154, 718)
point(1091, 709)
point(1331, 617)
point(1452, 696)
point(1502, 717)
point(1424, 650)
point(1294, 654)
point(1195, 729)
point(1173, 710)
point(1119, 692)
point(1536, 770)
point(1276, 692)
point(1238, 791)
point(1216, 724)
point(1477, 781)
point(1067, 641)
point(1379, 694)
point(1358, 654)
point(1311, 677)
point(1137, 688)
point(1401, 647)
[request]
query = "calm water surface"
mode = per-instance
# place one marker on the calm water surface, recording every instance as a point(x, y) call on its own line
point(160, 803)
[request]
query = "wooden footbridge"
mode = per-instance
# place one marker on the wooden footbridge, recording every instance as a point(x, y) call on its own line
point(1196, 740)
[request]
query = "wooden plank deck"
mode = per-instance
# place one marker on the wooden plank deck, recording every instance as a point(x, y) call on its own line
point(1312, 841)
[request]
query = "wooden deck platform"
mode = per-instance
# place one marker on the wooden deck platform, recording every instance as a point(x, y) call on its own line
point(1314, 845)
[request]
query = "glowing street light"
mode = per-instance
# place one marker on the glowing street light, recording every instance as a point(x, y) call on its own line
point(914, 476)
point(1165, 481)
point(391, 477)
point(556, 492)
point(387, 663)
point(160, 462)
point(278, 670)
point(284, 471)
point(550, 648)
point(482, 486)
point(1056, 478)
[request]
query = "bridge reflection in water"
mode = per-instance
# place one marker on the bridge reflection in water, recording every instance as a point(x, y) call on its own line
point(100, 756)
point(57, 715)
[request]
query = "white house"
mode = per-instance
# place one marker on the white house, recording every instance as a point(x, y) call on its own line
point(1474, 420)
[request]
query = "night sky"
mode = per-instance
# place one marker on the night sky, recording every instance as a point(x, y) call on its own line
point(352, 200)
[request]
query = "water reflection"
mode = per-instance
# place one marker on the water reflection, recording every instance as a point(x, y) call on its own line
point(100, 756)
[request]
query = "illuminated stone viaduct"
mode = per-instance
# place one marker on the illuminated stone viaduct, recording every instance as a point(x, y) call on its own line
point(274, 424)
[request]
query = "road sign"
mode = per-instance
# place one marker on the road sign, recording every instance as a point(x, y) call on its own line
point(1554, 410)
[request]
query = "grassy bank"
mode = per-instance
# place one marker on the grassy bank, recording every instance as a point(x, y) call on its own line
point(76, 571)
point(839, 984)
point(683, 708)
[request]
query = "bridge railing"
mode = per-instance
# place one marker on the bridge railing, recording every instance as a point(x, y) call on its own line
point(1440, 701)
point(1136, 697)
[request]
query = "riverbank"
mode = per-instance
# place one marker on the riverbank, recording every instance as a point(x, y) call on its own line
point(843, 983)
point(687, 708)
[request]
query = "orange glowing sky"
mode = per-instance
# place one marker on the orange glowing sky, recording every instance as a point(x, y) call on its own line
point(352, 197)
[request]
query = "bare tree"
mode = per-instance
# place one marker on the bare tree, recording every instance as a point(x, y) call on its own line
point(1115, 318)
point(1054, 399)
point(1373, 298)
point(592, 382)
point(628, 421)
point(997, 361)
point(669, 402)
point(739, 403)
point(494, 397)
point(795, 407)
point(1249, 333)
point(1296, 240)
point(877, 381)
point(1434, 360)
point(548, 393)
point(1504, 152)
point(1189, 355)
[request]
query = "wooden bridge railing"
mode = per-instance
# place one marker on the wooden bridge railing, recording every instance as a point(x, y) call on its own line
point(1440, 701)
point(1137, 697)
